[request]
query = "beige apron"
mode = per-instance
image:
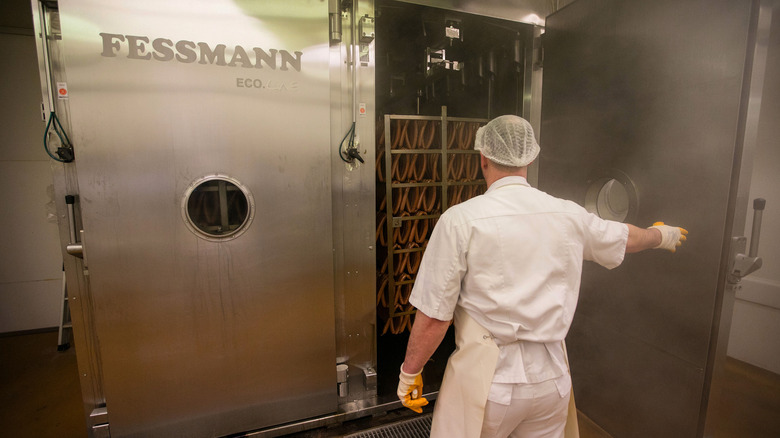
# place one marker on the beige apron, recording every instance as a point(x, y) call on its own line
point(460, 406)
point(572, 429)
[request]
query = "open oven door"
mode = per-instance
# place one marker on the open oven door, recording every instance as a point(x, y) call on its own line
point(644, 115)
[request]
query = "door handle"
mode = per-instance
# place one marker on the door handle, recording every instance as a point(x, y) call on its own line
point(755, 234)
point(73, 248)
point(742, 264)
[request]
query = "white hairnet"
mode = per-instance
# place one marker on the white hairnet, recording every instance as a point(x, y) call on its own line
point(507, 140)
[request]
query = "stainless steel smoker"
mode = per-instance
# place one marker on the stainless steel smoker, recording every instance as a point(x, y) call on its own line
point(221, 211)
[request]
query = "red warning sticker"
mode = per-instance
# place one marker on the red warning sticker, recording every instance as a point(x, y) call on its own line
point(62, 90)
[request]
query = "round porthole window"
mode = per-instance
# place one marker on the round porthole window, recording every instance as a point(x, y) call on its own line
point(218, 207)
point(612, 201)
point(612, 196)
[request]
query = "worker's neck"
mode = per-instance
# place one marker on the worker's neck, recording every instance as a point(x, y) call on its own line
point(493, 172)
point(495, 175)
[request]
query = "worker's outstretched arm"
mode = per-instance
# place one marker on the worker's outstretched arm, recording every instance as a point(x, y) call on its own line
point(658, 236)
point(427, 334)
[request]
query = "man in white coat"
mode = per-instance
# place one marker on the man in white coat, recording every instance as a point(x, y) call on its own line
point(506, 267)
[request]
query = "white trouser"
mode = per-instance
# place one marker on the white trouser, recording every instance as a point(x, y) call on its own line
point(534, 410)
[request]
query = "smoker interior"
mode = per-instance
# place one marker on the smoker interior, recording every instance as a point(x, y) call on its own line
point(436, 79)
point(429, 57)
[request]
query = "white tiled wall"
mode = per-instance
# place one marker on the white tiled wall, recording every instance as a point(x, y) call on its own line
point(30, 258)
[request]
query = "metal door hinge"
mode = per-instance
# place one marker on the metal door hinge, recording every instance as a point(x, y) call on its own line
point(335, 27)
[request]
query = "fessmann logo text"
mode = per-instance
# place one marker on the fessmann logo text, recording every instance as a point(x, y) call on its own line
point(188, 52)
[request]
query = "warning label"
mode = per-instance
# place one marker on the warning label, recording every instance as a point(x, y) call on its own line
point(62, 90)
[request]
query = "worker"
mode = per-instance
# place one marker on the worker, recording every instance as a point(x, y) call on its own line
point(506, 267)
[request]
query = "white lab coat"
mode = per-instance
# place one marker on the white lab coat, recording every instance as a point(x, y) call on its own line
point(513, 259)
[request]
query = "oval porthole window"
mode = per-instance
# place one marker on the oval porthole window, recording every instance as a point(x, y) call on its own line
point(612, 197)
point(217, 207)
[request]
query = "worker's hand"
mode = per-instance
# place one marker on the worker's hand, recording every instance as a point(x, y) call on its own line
point(671, 237)
point(410, 391)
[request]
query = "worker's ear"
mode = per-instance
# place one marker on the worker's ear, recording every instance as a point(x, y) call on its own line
point(483, 162)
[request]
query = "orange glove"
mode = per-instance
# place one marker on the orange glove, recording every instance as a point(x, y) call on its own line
point(671, 237)
point(410, 391)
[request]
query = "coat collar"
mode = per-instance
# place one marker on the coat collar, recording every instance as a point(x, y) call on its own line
point(508, 181)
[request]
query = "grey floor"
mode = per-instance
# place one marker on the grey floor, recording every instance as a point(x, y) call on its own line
point(40, 396)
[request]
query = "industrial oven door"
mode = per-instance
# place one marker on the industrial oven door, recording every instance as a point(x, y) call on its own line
point(201, 133)
point(641, 118)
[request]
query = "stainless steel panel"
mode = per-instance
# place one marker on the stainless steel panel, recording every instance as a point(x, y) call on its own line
point(631, 388)
point(353, 197)
point(66, 183)
point(653, 89)
point(203, 338)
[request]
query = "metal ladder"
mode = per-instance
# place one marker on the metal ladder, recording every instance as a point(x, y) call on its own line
point(65, 322)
